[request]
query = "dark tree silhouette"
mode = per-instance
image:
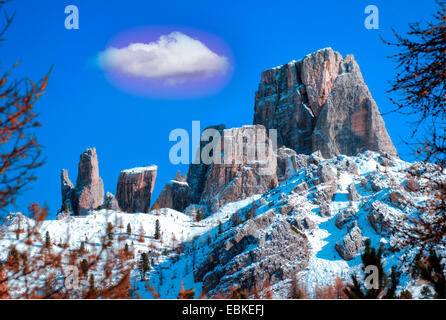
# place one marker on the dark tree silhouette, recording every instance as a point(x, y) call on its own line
point(372, 257)
point(432, 270)
point(420, 86)
point(20, 153)
point(420, 82)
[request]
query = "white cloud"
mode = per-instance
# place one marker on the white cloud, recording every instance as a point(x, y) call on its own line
point(173, 58)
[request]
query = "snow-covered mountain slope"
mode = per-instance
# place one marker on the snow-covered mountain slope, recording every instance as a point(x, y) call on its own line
point(311, 226)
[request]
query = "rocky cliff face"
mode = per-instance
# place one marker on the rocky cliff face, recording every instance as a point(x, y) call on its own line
point(110, 202)
point(196, 176)
point(176, 194)
point(67, 189)
point(321, 103)
point(89, 191)
point(249, 172)
point(261, 248)
point(89, 186)
point(135, 187)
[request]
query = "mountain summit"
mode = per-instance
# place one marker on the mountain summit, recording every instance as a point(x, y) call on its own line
point(321, 102)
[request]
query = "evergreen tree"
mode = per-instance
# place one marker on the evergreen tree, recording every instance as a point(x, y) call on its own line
point(144, 263)
point(82, 247)
point(406, 294)
point(426, 293)
point(92, 284)
point(157, 230)
point(47, 240)
point(84, 266)
point(110, 231)
point(129, 229)
point(432, 271)
point(199, 215)
point(372, 257)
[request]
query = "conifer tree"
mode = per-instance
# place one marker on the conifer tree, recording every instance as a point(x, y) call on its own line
point(129, 229)
point(84, 266)
point(199, 215)
point(144, 263)
point(82, 247)
point(126, 248)
point(110, 231)
point(47, 240)
point(432, 271)
point(157, 230)
point(92, 283)
point(372, 257)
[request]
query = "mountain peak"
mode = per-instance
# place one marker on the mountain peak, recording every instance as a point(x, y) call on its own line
point(321, 102)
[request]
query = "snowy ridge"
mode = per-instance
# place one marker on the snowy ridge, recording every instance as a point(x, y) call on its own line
point(309, 202)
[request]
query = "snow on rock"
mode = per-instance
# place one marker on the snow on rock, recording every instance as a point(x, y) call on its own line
point(265, 238)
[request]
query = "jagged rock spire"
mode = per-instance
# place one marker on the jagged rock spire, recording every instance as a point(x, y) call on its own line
point(89, 191)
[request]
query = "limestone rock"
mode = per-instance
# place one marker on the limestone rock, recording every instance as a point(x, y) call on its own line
point(380, 217)
point(327, 172)
point(318, 73)
point(412, 185)
point(197, 174)
point(135, 187)
point(67, 186)
point(281, 103)
point(110, 202)
point(176, 194)
point(398, 199)
point(345, 217)
point(350, 121)
point(321, 103)
point(325, 210)
point(301, 187)
point(89, 191)
point(251, 256)
point(350, 245)
point(286, 163)
point(246, 175)
point(353, 194)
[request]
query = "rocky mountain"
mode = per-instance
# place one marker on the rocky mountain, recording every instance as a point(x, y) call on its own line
point(321, 102)
point(135, 187)
point(176, 194)
point(235, 181)
point(310, 226)
point(89, 191)
point(300, 210)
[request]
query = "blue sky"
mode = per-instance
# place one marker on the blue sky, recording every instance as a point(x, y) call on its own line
point(82, 109)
